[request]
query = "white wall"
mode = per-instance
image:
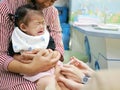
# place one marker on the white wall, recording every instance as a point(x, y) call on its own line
point(61, 3)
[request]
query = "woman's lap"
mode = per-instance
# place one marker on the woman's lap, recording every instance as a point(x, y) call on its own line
point(11, 81)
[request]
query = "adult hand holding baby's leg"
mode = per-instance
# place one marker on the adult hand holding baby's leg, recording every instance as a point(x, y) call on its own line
point(82, 66)
point(72, 72)
point(42, 62)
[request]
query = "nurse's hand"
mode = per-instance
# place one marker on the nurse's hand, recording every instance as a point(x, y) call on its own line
point(72, 72)
point(82, 66)
point(71, 84)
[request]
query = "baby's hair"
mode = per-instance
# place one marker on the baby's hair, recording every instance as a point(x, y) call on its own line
point(21, 12)
point(33, 1)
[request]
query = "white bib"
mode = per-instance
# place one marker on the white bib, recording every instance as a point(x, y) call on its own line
point(22, 41)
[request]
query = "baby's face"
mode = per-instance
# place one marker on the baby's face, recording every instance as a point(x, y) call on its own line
point(36, 25)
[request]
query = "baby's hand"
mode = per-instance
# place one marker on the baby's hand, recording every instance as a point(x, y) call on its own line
point(55, 54)
point(48, 52)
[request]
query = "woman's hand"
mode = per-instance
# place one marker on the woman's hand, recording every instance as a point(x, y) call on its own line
point(55, 53)
point(42, 61)
point(61, 56)
point(26, 56)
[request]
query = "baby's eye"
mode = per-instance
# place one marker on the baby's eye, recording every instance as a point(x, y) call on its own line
point(41, 23)
point(38, 23)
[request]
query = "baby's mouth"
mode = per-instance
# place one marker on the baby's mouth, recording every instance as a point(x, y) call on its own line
point(40, 32)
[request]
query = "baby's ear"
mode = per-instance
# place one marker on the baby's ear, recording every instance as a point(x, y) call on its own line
point(22, 27)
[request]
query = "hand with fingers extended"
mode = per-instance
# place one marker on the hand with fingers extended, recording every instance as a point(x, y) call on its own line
point(71, 84)
point(81, 65)
point(74, 73)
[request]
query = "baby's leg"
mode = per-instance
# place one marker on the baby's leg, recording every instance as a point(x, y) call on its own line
point(47, 83)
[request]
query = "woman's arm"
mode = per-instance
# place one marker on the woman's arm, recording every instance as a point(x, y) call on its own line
point(6, 28)
point(52, 20)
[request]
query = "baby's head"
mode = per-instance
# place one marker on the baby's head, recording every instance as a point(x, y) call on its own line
point(30, 20)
